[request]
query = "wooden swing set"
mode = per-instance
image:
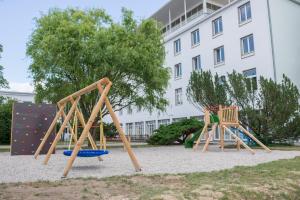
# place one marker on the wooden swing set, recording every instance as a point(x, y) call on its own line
point(226, 119)
point(73, 99)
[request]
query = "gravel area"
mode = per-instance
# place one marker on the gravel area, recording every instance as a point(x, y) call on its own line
point(154, 160)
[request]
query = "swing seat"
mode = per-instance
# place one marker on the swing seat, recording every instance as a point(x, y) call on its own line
point(87, 153)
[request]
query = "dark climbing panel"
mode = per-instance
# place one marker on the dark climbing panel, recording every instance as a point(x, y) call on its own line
point(30, 123)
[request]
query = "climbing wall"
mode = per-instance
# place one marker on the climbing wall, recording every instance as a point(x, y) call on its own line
point(30, 122)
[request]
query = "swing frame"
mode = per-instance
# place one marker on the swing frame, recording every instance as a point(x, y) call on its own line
point(74, 99)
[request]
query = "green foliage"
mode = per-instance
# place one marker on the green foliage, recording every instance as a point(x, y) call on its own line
point(73, 48)
point(205, 90)
point(5, 119)
point(175, 132)
point(270, 109)
point(3, 81)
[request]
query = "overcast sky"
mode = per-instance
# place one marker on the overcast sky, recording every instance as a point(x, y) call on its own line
point(16, 25)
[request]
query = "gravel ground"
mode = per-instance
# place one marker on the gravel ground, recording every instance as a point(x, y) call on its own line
point(154, 160)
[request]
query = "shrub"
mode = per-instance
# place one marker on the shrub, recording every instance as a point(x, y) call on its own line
point(175, 132)
point(5, 120)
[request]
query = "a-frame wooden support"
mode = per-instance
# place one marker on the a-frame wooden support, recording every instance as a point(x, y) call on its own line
point(74, 99)
point(228, 117)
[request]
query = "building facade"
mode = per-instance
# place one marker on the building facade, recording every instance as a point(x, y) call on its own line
point(19, 96)
point(254, 37)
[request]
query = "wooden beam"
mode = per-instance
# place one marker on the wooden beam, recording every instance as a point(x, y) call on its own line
point(85, 90)
point(239, 139)
point(254, 138)
point(49, 131)
point(212, 132)
point(120, 131)
point(58, 135)
point(86, 129)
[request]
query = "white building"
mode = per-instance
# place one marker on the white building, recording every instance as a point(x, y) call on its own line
point(19, 96)
point(254, 37)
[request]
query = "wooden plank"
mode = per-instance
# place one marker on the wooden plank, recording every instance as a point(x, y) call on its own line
point(85, 90)
point(58, 135)
point(49, 131)
point(86, 129)
point(210, 135)
point(241, 141)
point(120, 131)
point(254, 138)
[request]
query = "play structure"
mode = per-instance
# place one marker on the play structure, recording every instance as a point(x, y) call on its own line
point(29, 123)
point(226, 119)
point(103, 86)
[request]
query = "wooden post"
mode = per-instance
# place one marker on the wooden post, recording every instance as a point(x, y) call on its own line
point(67, 119)
point(254, 138)
point(213, 131)
point(86, 129)
point(49, 131)
point(120, 130)
point(241, 141)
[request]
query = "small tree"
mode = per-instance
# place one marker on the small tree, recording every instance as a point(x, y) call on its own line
point(205, 90)
point(270, 109)
point(3, 81)
point(5, 120)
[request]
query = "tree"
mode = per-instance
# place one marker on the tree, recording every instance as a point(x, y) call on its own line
point(72, 48)
point(3, 81)
point(270, 109)
point(204, 90)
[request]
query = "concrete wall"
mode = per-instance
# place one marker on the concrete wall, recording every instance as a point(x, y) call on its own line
point(285, 23)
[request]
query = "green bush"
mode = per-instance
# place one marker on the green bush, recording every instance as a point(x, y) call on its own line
point(5, 120)
point(175, 132)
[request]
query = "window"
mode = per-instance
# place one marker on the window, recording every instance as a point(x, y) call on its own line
point(177, 47)
point(222, 79)
point(247, 45)
point(195, 37)
point(139, 128)
point(177, 71)
point(150, 127)
point(217, 26)
point(121, 112)
point(178, 119)
point(129, 128)
point(163, 122)
point(129, 110)
point(219, 55)
point(178, 96)
point(139, 108)
point(196, 62)
point(245, 13)
point(251, 74)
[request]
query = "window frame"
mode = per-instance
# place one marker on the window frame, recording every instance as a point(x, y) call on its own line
point(216, 63)
point(177, 76)
point(178, 97)
point(249, 52)
point(247, 18)
point(214, 33)
point(195, 43)
point(199, 61)
point(175, 46)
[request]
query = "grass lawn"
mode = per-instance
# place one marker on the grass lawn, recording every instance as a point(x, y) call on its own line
point(275, 180)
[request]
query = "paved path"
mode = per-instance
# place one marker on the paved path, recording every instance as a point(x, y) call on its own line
point(171, 159)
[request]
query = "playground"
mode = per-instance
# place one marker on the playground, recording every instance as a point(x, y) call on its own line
point(153, 160)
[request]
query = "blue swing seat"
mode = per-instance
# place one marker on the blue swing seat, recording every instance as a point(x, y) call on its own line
point(87, 153)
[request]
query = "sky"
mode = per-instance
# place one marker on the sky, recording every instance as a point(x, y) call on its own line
point(17, 24)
